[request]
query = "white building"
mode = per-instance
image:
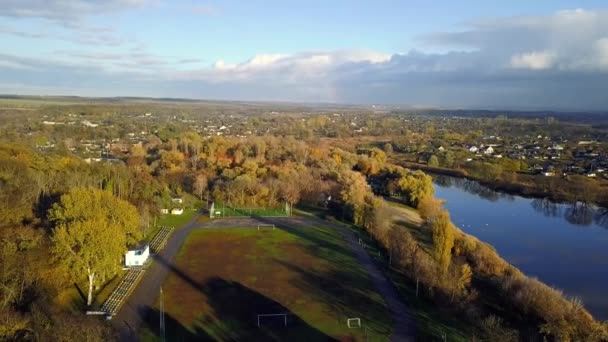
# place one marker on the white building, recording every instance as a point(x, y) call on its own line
point(177, 211)
point(137, 256)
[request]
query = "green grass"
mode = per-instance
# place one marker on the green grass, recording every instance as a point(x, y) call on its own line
point(247, 212)
point(176, 221)
point(431, 321)
point(224, 277)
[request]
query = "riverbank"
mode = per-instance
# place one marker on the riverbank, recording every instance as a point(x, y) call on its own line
point(560, 244)
point(555, 189)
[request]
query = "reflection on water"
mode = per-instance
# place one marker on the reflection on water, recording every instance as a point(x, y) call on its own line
point(577, 213)
point(580, 214)
point(542, 238)
point(547, 207)
point(471, 187)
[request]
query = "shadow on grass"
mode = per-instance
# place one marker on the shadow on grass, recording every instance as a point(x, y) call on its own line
point(348, 292)
point(312, 234)
point(235, 309)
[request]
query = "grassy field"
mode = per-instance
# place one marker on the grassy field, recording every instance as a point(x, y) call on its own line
point(247, 212)
point(176, 221)
point(431, 321)
point(224, 278)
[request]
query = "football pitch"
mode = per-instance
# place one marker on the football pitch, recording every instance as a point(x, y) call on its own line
point(245, 284)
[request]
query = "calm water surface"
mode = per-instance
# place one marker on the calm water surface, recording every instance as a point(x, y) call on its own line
point(566, 246)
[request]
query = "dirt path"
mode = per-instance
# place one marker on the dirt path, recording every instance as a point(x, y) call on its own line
point(403, 322)
point(404, 326)
point(132, 315)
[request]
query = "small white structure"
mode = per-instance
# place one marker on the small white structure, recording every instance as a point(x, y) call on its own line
point(177, 200)
point(473, 149)
point(489, 150)
point(177, 211)
point(164, 211)
point(137, 256)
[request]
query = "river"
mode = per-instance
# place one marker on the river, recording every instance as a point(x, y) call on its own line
point(564, 245)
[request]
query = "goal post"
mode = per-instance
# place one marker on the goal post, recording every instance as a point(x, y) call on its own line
point(353, 323)
point(265, 227)
point(281, 316)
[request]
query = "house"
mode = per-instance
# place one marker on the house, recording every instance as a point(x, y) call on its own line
point(164, 211)
point(441, 148)
point(473, 149)
point(177, 200)
point(137, 255)
point(177, 211)
point(489, 150)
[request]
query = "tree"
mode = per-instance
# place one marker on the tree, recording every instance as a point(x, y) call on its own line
point(443, 240)
point(200, 185)
point(92, 230)
point(388, 148)
point(415, 186)
point(354, 188)
point(433, 161)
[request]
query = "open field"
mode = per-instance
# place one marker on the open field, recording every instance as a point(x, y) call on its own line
point(221, 211)
point(224, 278)
point(175, 221)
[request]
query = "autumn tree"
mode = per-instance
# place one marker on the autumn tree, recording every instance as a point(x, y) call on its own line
point(354, 189)
point(443, 240)
point(200, 185)
point(415, 186)
point(433, 161)
point(91, 233)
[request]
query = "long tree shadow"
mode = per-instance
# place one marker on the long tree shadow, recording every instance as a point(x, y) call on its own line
point(315, 236)
point(347, 291)
point(235, 309)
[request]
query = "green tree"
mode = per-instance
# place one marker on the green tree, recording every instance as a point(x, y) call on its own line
point(433, 161)
point(92, 230)
point(443, 240)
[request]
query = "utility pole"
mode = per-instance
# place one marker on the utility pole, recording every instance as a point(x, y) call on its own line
point(162, 317)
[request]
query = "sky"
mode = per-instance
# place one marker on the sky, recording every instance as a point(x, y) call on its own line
point(451, 54)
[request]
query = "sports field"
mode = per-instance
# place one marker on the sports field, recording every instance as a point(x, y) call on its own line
point(221, 211)
point(224, 278)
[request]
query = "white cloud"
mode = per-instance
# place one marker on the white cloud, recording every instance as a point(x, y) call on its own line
point(536, 60)
point(66, 10)
point(557, 61)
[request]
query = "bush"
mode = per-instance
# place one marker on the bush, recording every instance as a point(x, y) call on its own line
point(492, 329)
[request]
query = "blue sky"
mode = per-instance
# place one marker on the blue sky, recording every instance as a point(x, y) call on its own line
point(508, 54)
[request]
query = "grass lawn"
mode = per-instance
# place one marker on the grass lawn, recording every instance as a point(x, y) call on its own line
point(431, 321)
point(176, 221)
point(224, 278)
point(247, 212)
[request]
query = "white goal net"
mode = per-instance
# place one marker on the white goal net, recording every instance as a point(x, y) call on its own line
point(353, 323)
point(266, 227)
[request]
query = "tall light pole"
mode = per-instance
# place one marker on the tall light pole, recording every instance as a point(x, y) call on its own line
point(162, 317)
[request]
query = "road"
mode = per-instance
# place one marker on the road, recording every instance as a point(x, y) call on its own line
point(133, 313)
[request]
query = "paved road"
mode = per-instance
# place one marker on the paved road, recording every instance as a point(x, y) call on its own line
point(132, 314)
